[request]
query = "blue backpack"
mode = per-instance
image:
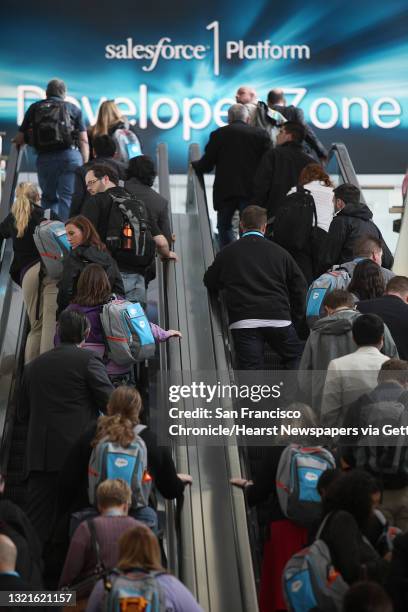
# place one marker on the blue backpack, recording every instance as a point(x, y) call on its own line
point(134, 591)
point(338, 278)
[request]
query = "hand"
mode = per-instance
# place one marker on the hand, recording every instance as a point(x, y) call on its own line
point(186, 478)
point(172, 256)
point(174, 333)
point(242, 483)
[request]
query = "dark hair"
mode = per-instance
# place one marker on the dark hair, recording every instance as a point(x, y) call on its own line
point(326, 479)
point(366, 597)
point(366, 245)
point(348, 193)
point(397, 284)
point(351, 492)
point(368, 329)
point(394, 370)
point(253, 217)
point(338, 298)
point(367, 281)
point(314, 172)
point(93, 286)
point(142, 168)
point(275, 96)
point(90, 235)
point(56, 87)
point(72, 326)
point(297, 130)
point(101, 170)
point(104, 146)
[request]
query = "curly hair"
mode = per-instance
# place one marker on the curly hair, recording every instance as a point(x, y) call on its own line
point(314, 172)
point(352, 493)
point(368, 280)
point(123, 411)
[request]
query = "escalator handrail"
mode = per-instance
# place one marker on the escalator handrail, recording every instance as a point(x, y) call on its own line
point(340, 152)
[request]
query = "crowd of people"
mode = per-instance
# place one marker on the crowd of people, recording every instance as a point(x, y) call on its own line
point(310, 276)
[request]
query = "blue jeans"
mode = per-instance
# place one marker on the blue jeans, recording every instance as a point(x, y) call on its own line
point(135, 288)
point(56, 176)
point(250, 346)
point(224, 219)
point(148, 516)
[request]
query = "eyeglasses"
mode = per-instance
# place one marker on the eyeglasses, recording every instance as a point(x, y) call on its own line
point(89, 183)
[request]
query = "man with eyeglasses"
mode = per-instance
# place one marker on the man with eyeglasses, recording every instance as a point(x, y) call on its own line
point(102, 183)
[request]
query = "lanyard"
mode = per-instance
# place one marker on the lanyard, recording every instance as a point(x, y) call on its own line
point(253, 233)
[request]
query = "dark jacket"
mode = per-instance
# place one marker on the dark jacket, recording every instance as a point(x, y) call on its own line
point(25, 251)
point(73, 478)
point(277, 173)
point(397, 584)
point(261, 281)
point(350, 223)
point(156, 206)
point(235, 151)
point(98, 209)
point(63, 390)
point(16, 525)
point(264, 478)
point(394, 312)
point(358, 414)
point(81, 195)
point(349, 551)
point(293, 113)
point(73, 264)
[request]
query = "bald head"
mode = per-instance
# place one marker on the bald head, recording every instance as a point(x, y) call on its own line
point(275, 96)
point(8, 554)
point(245, 95)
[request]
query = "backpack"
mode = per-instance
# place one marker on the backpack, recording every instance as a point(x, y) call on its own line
point(338, 278)
point(127, 144)
point(310, 581)
point(294, 220)
point(53, 128)
point(127, 332)
point(110, 460)
point(138, 590)
point(268, 119)
point(128, 230)
point(391, 459)
point(50, 238)
point(297, 476)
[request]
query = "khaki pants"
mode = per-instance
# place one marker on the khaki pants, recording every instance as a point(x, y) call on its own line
point(394, 506)
point(42, 330)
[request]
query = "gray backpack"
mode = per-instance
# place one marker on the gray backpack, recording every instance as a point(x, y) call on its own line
point(297, 476)
point(310, 581)
point(337, 278)
point(137, 590)
point(127, 332)
point(111, 461)
point(50, 238)
point(382, 455)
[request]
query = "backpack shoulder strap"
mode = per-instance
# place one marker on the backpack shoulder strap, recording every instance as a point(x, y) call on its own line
point(323, 525)
point(95, 544)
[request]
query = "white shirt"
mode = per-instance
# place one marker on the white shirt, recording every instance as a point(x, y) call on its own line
point(323, 197)
point(348, 378)
point(253, 323)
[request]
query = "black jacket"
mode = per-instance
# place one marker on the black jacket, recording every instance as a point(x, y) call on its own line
point(73, 479)
point(394, 312)
point(277, 173)
point(293, 113)
point(25, 251)
point(397, 584)
point(98, 209)
point(81, 195)
point(261, 281)
point(156, 206)
point(73, 264)
point(235, 151)
point(350, 223)
point(63, 390)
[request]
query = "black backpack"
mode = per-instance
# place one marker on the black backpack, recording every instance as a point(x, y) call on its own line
point(128, 233)
point(53, 128)
point(295, 220)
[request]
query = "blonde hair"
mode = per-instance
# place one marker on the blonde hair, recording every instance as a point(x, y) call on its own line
point(27, 194)
point(111, 493)
point(123, 410)
point(138, 547)
point(108, 115)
